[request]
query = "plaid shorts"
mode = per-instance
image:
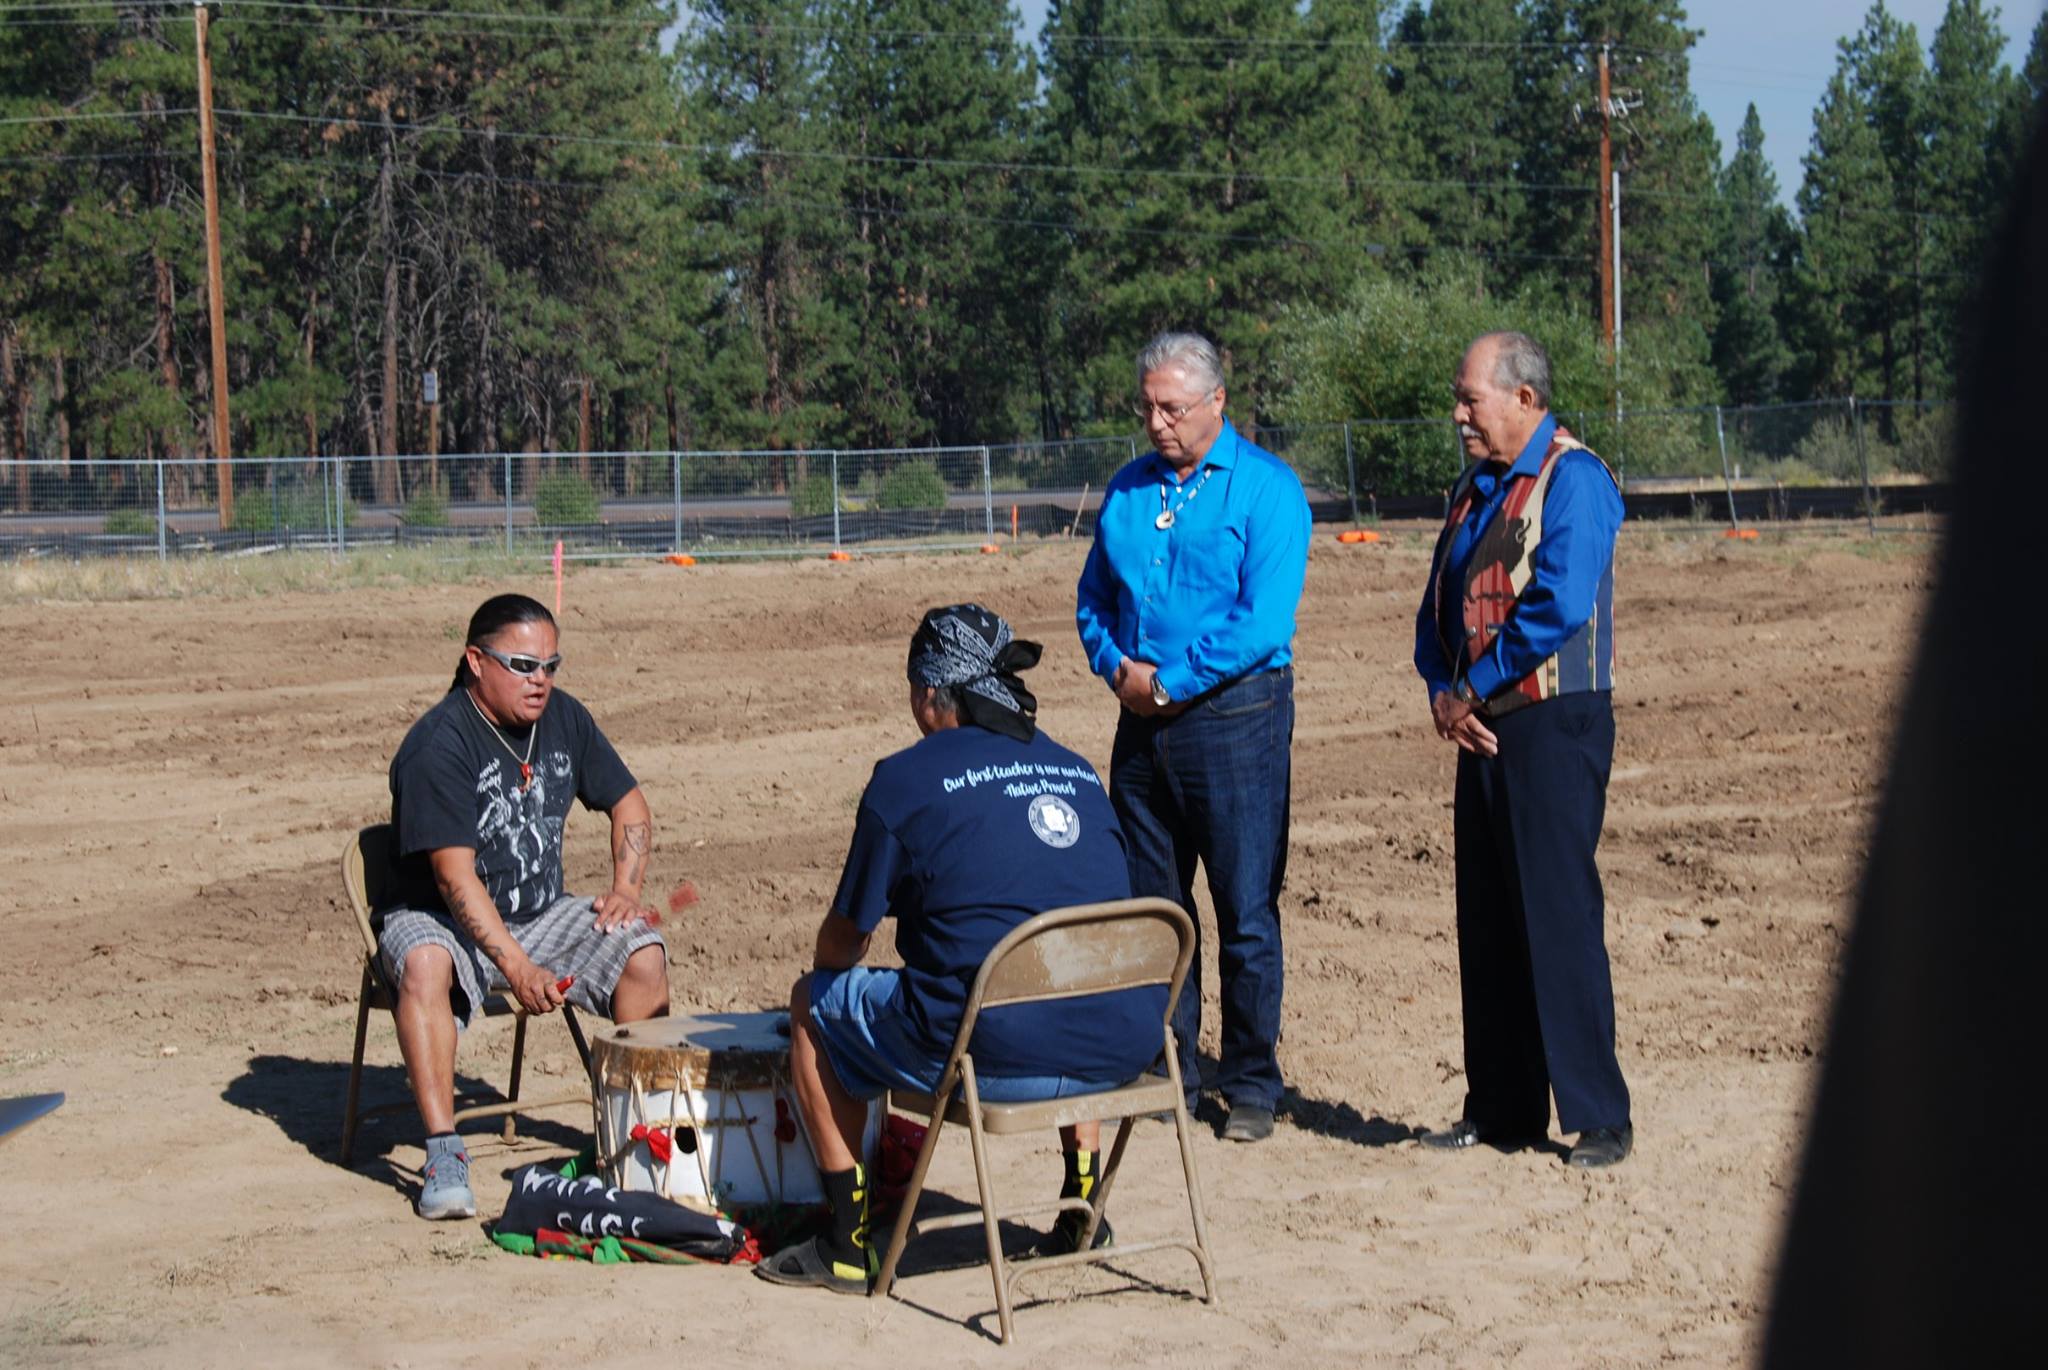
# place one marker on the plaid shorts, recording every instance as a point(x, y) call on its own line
point(560, 938)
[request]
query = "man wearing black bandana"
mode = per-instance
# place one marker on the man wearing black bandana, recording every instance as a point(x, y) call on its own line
point(982, 824)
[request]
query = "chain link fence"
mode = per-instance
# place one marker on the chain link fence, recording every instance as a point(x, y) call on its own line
point(1848, 458)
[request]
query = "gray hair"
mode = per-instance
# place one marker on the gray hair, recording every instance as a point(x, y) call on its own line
point(1190, 352)
point(1519, 360)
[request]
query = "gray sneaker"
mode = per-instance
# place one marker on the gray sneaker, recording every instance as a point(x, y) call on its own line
point(446, 1193)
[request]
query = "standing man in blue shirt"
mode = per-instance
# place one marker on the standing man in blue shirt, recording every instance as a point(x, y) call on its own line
point(1515, 638)
point(1186, 608)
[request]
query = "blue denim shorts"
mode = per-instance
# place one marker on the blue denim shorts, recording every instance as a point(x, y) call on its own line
point(873, 1048)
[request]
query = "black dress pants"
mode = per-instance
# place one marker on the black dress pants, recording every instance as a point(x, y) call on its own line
point(1532, 951)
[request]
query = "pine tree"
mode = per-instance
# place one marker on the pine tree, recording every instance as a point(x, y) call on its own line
point(752, 72)
point(930, 96)
point(1752, 239)
point(1455, 80)
point(1863, 322)
point(1212, 221)
point(1968, 92)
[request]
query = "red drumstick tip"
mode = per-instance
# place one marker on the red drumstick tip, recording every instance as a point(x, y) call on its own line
point(562, 985)
point(681, 897)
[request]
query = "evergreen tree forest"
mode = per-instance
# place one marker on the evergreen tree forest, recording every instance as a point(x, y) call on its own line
point(621, 225)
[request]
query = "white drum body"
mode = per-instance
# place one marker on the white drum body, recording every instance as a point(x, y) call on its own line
point(718, 1086)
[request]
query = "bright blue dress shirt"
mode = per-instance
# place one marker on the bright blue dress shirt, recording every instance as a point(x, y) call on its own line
point(1213, 597)
point(1581, 514)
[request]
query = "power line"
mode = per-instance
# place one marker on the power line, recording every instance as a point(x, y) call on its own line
point(96, 116)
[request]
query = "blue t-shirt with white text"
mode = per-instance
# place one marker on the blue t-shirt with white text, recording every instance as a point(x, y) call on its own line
point(960, 838)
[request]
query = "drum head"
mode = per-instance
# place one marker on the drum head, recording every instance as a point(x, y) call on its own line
point(739, 1050)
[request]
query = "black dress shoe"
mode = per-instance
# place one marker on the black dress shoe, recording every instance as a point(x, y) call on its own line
point(1248, 1123)
point(1602, 1146)
point(1465, 1133)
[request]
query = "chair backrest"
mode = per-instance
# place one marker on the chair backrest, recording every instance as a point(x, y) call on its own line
point(369, 862)
point(1084, 949)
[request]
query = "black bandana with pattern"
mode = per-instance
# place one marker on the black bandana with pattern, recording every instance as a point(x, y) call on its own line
point(967, 648)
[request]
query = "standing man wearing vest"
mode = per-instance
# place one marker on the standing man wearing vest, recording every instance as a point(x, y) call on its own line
point(1516, 641)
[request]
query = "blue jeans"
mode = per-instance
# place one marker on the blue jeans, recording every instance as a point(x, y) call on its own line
point(1212, 784)
point(872, 1048)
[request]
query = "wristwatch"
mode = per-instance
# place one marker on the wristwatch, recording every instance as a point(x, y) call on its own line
point(1464, 694)
point(1159, 695)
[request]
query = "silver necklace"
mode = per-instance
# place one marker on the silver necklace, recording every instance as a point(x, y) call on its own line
point(525, 762)
point(1168, 514)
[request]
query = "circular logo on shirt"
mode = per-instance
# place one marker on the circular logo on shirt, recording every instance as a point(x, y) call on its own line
point(1054, 821)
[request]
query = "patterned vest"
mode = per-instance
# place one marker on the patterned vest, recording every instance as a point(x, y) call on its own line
point(1498, 571)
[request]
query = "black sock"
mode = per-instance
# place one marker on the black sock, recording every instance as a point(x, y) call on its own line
point(847, 1192)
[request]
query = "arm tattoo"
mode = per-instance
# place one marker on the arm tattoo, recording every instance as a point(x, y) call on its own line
point(489, 940)
point(631, 853)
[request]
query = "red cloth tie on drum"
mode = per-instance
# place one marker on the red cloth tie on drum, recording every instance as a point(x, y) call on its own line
point(660, 1145)
point(785, 1126)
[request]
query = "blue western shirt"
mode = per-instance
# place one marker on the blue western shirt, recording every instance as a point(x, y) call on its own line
point(1213, 597)
point(1581, 514)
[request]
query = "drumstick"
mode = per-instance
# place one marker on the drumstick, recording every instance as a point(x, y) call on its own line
point(562, 985)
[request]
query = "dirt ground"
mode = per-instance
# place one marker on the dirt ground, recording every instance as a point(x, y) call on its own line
point(177, 779)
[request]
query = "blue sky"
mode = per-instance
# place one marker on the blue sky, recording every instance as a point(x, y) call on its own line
point(1777, 53)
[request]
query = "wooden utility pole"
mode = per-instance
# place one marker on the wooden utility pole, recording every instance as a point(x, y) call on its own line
point(210, 181)
point(1606, 208)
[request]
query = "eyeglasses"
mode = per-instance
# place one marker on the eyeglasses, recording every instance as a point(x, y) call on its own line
point(1172, 413)
point(521, 664)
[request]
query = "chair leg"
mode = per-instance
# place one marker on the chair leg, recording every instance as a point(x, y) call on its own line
point(907, 1210)
point(355, 1068)
point(518, 1068)
point(1183, 1131)
point(1099, 1204)
point(575, 1027)
point(989, 1225)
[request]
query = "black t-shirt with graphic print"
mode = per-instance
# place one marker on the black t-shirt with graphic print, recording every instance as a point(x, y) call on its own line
point(453, 784)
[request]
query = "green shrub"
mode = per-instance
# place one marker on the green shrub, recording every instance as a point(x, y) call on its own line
point(426, 509)
point(304, 508)
point(912, 485)
point(812, 496)
point(130, 523)
point(565, 498)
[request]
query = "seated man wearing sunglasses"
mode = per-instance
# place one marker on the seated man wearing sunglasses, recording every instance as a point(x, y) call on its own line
point(480, 792)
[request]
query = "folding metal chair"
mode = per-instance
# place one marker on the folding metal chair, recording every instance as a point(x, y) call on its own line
point(368, 863)
point(1062, 954)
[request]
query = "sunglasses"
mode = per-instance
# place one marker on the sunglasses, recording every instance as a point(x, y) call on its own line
point(523, 665)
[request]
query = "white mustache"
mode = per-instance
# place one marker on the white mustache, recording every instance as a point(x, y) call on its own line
point(1466, 430)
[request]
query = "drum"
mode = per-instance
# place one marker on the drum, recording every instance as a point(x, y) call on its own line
point(701, 1110)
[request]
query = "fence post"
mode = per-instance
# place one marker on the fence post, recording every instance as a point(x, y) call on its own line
point(835, 501)
point(1350, 475)
point(1620, 447)
point(1727, 482)
point(988, 498)
point(340, 505)
point(1863, 463)
point(675, 479)
point(1132, 443)
point(162, 539)
point(506, 457)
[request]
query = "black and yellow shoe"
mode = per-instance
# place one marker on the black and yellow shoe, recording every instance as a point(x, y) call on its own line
point(811, 1264)
point(1065, 1236)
